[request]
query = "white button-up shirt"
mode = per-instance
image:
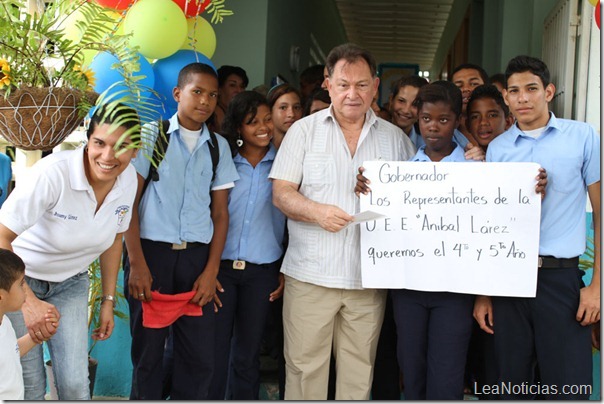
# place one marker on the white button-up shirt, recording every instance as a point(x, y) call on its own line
point(315, 155)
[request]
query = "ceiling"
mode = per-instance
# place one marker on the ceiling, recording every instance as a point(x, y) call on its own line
point(401, 31)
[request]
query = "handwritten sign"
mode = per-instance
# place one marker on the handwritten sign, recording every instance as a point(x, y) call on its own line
point(457, 227)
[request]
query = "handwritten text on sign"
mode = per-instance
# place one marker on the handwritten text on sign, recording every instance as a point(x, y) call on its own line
point(457, 227)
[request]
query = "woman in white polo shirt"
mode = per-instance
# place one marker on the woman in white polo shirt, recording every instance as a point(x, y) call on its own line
point(71, 208)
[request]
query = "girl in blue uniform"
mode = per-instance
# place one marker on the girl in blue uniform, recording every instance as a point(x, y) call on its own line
point(434, 328)
point(249, 271)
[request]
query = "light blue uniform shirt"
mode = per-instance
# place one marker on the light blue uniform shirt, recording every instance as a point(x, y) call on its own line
point(6, 174)
point(418, 140)
point(256, 226)
point(457, 155)
point(570, 152)
point(177, 207)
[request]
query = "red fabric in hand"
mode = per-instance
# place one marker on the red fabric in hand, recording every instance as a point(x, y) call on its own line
point(163, 310)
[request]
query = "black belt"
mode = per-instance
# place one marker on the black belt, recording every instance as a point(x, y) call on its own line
point(549, 262)
point(185, 245)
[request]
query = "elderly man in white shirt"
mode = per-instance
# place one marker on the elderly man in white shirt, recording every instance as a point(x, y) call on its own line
point(314, 176)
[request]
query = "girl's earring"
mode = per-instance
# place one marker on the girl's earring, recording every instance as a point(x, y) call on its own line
point(239, 141)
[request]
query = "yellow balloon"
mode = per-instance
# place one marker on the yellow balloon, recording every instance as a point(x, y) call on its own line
point(200, 37)
point(158, 27)
point(594, 2)
point(73, 32)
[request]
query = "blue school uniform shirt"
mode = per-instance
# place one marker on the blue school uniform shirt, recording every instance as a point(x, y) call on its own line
point(570, 152)
point(177, 207)
point(457, 155)
point(256, 226)
point(6, 175)
point(418, 140)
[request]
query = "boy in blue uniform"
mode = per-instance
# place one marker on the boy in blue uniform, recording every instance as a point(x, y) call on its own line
point(551, 330)
point(176, 239)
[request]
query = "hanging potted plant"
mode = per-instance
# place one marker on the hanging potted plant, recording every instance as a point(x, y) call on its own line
point(44, 91)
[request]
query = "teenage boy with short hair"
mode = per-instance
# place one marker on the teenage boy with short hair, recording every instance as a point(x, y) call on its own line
point(551, 330)
point(467, 77)
point(176, 239)
point(12, 297)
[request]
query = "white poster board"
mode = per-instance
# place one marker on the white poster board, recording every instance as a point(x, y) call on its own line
point(457, 227)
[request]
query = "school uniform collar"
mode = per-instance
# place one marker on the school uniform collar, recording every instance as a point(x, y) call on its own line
point(552, 124)
point(174, 126)
point(269, 156)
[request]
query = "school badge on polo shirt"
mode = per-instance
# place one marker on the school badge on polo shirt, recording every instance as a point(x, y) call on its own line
point(121, 212)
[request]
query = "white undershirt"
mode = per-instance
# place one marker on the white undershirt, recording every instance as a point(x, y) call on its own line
point(535, 133)
point(190, 137)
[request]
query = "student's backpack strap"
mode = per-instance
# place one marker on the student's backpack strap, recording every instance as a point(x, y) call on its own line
point(159, 151)
point(214, 153)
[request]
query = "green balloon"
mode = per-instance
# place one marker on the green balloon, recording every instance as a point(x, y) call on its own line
point(158, 27)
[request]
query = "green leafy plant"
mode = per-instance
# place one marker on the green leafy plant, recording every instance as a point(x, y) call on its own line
point(36, 52)
point(216, 8)
point(586, 261)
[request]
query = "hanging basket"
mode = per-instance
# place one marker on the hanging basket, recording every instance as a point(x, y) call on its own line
point(40, 118)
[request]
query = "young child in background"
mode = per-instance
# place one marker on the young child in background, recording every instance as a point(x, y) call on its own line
point(286, 108)
point(12, 297)
point(249, 271)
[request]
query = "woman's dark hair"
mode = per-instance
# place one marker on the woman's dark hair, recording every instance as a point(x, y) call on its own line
point(277, 91)
point(488, 91)
point(116, 113)
point(225, 71)
point(11, 268)
point(320, 95)
point(440, 91)
point(242, 105)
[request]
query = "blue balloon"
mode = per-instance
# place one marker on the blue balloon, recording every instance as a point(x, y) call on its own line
point(166, 73)
point(109, 78)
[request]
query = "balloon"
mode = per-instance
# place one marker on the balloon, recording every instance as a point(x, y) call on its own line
point(192, 8)
point(201, 37)
point(115, 4)
point(74, 33)
point(594, 2)
point(109, 78)
point(158, 27)
point(166, 73)
point(598, 15)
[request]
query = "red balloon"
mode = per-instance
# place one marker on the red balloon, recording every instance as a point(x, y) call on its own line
point(116, 4)
point(598, 15)
point(192, 8)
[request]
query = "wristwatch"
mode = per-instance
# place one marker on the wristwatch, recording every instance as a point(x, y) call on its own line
point(110, 298)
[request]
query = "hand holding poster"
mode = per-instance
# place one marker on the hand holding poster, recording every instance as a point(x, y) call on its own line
point(457, 227)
